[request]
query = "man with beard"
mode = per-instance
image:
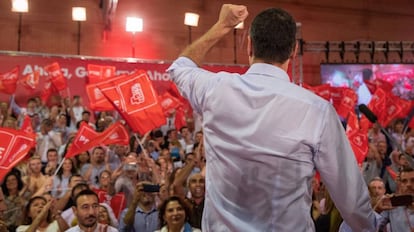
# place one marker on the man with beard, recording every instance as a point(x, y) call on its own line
point(99, 163)
point(86, 210)
point(141, 215)
point(400, 218)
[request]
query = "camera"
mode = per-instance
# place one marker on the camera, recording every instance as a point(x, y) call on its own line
point(151, 188)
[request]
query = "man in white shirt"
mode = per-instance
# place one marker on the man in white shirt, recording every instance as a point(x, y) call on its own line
point(86, 210)
point(265, 137)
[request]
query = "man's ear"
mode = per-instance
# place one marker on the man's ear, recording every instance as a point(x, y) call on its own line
point(75, 211)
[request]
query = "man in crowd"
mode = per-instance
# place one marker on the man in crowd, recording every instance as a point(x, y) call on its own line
point(86, 210)
point(400, 218)
point(99, 162)
point(259, 179)
point(141, 215)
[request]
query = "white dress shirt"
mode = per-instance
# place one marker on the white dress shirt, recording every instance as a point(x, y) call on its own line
point(264, 139)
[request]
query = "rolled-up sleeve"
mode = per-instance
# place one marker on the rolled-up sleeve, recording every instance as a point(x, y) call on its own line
point(192, 81)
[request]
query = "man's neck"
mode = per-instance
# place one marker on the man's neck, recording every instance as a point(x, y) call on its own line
point(145, 208)
point(197, 200)
point(88, 229)
point(283, 66)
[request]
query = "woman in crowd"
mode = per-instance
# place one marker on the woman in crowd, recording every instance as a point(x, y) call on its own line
point(174, 216)
point(61, 180)
point(106, 215)
point(13, 190)
point(38, 217)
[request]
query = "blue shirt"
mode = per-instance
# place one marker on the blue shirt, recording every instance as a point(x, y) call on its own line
point(143, 222)
point(264, 139)
point(400, 219)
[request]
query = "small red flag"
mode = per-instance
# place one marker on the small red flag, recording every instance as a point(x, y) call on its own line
point(347, 104)
point(359, 143)
point(56, 76)
point(31, 80)
point(324, 91)
point(135, 99)
point(97, 73)
point(14, 145)
point(8, 81)
point(27, 125)
point(84, 140)
point(169, 103)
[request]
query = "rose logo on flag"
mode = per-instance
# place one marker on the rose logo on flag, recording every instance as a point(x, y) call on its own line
point(2, 149)
point(137, 94)
point(98, 94)
point(114, 136)
point(358, 141)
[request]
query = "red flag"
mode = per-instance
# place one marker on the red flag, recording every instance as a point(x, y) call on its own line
point(323, 91)
point(378, 101)
point(135, 99)
point(352, 121)
point(97, 100)
point(97, 73)
point(185, 104)
point(371, 85)
point(115, 134)
point(365, 124)
point(84, 140)
point(180, 119)
point(8, 81)
point(56, 76)
point(336, 95)
point(87, 138)
point(169, 103)
point(31, 80)
point(27, 125)
point(348, 101)
point(14, 145)
point(392, 110)
point(405, 106)
point(359, 144)
point(46, 91)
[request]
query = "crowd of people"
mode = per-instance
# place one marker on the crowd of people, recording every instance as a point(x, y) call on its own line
point(259, 175)
point(154, 183)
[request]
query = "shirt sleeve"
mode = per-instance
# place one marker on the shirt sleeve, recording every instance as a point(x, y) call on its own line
point(192, 81)
point(122, 227)
point(336, 163)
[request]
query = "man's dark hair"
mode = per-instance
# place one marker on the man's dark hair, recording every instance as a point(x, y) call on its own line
point(51, 150)
point(404, 169)
point(78, 186)
point(273, 35)
point(86, 192)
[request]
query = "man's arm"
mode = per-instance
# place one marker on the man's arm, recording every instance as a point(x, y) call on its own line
point(230, 16)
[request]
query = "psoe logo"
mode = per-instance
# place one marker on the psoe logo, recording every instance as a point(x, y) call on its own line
point(137, 94)
point(2, 149)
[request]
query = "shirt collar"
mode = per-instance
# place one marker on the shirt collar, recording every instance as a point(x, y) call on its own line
point(138, 209)
point(268, 70)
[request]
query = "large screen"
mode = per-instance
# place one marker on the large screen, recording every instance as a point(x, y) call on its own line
point(400, 76)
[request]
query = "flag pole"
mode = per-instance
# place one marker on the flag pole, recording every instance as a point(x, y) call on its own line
point(60, 166)
point(141, 141)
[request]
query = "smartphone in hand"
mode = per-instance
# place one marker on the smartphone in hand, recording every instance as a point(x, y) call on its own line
point(401, 200)
point(151, 188)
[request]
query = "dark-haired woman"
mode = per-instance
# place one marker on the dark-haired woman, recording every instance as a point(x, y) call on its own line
point(14, 196)
point(38, 217)
point(174, 216)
